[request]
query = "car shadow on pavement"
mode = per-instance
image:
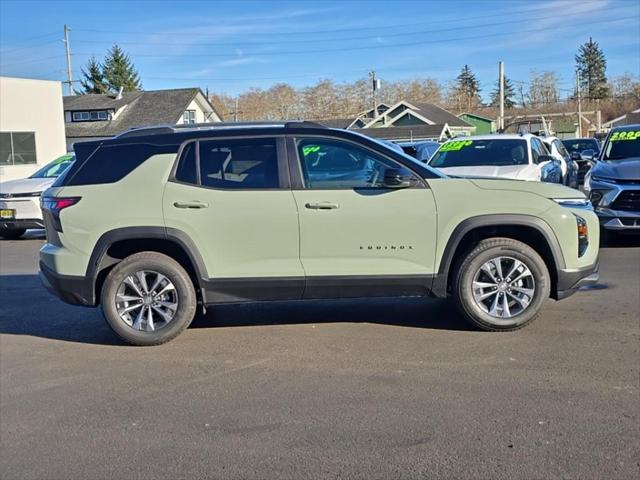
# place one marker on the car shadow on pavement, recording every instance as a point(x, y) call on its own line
point(28, 309)
point(619, 240)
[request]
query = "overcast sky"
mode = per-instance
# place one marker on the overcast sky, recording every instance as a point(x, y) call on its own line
point(232, 46)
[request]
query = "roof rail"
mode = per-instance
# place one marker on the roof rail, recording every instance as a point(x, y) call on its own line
point(164, 129)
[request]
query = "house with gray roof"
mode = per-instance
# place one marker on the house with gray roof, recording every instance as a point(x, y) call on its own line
point(405, 121)
point(96, 116)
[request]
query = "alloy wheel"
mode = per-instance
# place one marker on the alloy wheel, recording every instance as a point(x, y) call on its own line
point(146, 300)
point(503, 287)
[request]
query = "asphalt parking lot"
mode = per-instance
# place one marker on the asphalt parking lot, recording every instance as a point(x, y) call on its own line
point(343, 389)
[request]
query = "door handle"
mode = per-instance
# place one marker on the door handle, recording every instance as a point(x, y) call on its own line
point(191, 204)
point(322, 206)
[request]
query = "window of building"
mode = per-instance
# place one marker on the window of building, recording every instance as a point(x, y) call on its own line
point(17, 148)
point(90, 116)
point(189, 116)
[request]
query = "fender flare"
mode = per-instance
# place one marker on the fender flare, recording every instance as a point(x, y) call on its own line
point(441, 280)
point(181, 239)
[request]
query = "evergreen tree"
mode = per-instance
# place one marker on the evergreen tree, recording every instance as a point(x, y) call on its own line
point(509, 94)
point(93, 81)
point(592, 65)
point(467, 89)
point(119, 71)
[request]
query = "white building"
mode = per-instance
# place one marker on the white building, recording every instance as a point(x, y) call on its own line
point(31, 125)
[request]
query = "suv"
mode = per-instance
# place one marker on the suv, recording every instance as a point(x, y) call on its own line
point(159, 223)
point(515, 156)
point(613, 183)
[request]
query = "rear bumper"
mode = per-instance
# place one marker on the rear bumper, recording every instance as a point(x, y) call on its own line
point(70, 289)
point(569, 281)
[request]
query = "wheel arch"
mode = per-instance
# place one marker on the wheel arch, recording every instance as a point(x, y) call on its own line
point(115, 245)
point(528, 229)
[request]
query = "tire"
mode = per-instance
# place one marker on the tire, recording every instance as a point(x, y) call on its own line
point(491, 316)
point(135, 329)
point(12, 233)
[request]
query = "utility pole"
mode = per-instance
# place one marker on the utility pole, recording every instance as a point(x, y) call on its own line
point(501, 86)
point(375, 86)
point(235, 111)
point(69, 81)
point(579, 102)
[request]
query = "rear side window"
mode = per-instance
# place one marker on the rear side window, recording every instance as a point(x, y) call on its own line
point(111, 163)
point(230, 164)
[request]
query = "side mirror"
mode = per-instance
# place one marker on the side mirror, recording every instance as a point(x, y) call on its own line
point(576, 156)
point(588, 155)
point(398, 178)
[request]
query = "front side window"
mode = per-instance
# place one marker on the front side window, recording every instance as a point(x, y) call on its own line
point(238, 164)
point(472, 153)
point(17, 148)
point(560, 146)
point(331, 164)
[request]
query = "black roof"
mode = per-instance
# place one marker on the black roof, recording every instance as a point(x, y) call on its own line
point(626, 128)
point(174, 135)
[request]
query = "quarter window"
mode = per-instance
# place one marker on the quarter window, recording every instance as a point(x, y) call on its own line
point(17, 148)
point(238, 164)
point(537, 149)
point(330, 164)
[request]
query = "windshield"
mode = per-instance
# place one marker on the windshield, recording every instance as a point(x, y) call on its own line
point(56, 168)
point(473, 153)
point(622, 144)
point(581, 145)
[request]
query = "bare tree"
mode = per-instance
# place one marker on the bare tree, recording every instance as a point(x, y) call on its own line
point(543, 88)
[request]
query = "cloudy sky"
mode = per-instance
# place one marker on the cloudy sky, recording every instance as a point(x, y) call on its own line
point(232, 46)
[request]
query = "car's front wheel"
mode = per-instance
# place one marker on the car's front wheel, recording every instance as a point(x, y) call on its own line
point(148, 299)
point(501, 284)
point(12, 233)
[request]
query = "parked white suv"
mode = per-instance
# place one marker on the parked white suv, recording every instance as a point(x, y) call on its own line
point(20, 199)
point(513, 156)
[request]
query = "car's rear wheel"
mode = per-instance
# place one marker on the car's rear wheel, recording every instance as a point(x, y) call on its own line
point(148, 299)
point(12, 233)
point(501, 284)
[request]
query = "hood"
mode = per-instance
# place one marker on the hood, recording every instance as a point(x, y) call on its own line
point(25, 185)
point(546, 190)
point(628, 169)
point(487, 171)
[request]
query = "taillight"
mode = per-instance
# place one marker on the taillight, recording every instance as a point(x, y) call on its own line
point(54, 205)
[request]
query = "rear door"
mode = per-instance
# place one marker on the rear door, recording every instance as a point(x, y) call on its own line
point(232, 198)
point(359, 237)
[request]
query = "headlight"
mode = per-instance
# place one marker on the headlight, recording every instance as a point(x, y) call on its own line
point(583, 235)
point(573, 202)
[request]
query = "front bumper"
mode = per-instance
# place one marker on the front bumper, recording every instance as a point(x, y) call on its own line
point(70, 289)
point(569, 281)
point(614, 213)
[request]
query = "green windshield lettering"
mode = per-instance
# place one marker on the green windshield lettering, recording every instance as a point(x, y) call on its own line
point(619, 136)
point(310, 149)
point(455, 145)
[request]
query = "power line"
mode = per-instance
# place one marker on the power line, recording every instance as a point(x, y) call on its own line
point(379, 46)
point(368, 37)
point(456, 20)
point(48, 42)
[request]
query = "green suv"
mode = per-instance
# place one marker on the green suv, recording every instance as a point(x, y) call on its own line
point(161, 222)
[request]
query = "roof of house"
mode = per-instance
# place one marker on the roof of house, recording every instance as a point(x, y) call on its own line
point(439, 115)
point(403, 133)
point(335, 122)
point(475, 115)
point(142, 108)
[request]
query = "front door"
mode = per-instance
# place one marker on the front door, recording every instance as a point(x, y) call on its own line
point(360, 235)
point(231, 197)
